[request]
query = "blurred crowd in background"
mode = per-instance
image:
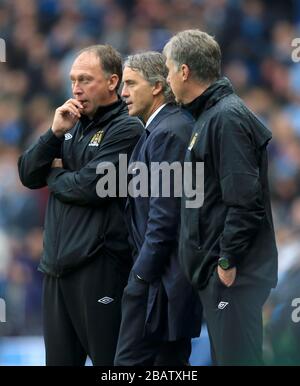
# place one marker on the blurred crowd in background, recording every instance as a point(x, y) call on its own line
point(42, 38)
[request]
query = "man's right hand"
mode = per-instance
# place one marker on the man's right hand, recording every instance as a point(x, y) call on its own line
point(228, 276)
point(66, 116)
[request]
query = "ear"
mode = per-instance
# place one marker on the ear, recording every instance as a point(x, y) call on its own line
point(157, 88)
point(113, 82)
point(185, 72)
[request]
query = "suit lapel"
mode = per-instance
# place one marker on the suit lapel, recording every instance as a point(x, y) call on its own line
point(167, 110)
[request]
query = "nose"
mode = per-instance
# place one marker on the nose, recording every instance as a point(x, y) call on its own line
point(76, 89)
point(125, 92)
point(168, 79)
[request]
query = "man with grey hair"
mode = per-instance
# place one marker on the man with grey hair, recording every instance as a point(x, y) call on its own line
point(160, 310)
point(227, 246)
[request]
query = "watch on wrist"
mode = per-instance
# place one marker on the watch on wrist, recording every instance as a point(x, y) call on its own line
point(225, 263)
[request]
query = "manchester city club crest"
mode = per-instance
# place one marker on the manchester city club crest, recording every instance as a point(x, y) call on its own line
point(96, 139)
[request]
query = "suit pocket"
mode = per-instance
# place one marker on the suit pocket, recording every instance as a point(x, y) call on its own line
point(156, 315)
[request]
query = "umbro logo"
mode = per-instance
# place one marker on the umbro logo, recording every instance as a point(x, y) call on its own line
point(105, 300)
point(222, 305)
point(68, 136)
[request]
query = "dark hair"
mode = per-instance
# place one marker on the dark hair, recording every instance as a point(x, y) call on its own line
point(151, 65)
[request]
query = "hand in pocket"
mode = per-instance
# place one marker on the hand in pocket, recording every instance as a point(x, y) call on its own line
point(227, 277)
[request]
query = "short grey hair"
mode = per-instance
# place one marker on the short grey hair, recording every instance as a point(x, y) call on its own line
point(199, 51)
point(152, 66)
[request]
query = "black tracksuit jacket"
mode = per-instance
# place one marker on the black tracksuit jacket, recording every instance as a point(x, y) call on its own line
point(79, 225)
point(235, 219)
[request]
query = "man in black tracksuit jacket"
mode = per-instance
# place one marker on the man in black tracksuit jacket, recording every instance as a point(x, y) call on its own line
point(86, 257)
point(227, 246)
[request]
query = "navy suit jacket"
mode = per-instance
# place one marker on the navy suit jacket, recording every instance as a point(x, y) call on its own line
point(154, 228)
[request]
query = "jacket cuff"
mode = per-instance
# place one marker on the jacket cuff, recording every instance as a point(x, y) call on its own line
point(231, 259)
point(49, 138)
point(55, 172)
point(143, 273)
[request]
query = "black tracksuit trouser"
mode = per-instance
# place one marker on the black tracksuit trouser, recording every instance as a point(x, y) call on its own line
point(234, 321)
point(82, 314)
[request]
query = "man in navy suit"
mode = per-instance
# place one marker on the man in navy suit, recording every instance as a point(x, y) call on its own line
point(160, 311)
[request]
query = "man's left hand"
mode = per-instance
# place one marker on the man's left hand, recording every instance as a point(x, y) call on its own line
point(227, 277)
point(57, 163)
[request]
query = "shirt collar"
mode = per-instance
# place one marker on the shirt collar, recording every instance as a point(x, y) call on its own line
point(152, 116)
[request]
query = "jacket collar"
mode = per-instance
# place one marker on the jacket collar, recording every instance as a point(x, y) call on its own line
point(216, 91)
point(103, 113)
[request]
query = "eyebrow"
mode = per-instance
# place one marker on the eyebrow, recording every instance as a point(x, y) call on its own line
point(81, 75)
point(129, 81)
